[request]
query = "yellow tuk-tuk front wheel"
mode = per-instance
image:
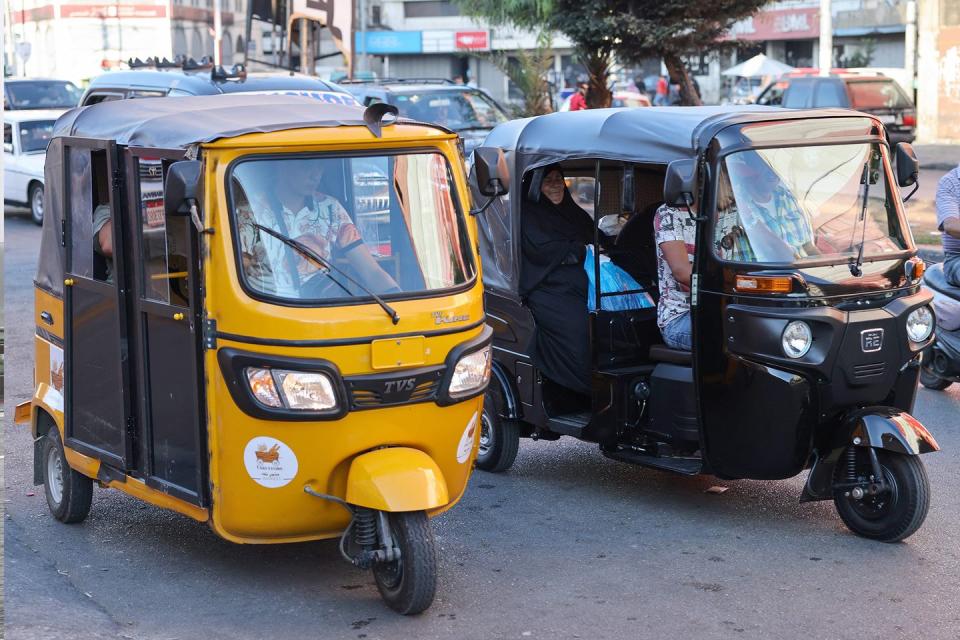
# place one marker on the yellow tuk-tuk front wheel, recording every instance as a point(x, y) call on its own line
point(409, 583)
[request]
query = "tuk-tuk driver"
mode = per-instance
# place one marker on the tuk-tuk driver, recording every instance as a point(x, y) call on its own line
point(676, 233)
point(296, 209)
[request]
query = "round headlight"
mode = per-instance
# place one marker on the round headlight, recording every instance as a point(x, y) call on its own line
point(796, 339)
point(920, 324)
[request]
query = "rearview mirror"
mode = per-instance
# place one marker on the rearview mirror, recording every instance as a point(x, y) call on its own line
point(182, 187)
point(490, 165)
point(908, 166)
point(680, 183)
point(628, 199)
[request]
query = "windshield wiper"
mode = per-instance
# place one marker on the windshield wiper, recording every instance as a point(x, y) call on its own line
point(855, 265)
point(312, 255)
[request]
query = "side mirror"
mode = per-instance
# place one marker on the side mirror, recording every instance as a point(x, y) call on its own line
point(908, 166)
point(628, 198)
point(182, 187)
point(680, 183)
point(493, 177)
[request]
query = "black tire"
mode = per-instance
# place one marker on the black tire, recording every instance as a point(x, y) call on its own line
point(408, 585)
point(69, 498)
point(499, 438)
point(929, 377)
point(35, 199)
point(892, 516)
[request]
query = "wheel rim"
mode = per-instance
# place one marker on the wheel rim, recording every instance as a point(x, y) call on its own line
point(878, 507)
point(390, 573)
point(37, 203)
point(486, 435)
point(54, 475)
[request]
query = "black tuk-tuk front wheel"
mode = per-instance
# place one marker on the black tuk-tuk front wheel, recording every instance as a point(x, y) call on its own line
point(68, 492)
point(929, 377)
point(409, 583)
point(499, 438)
point(894, 513)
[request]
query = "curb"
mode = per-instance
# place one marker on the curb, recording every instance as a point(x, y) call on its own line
point(938, 166)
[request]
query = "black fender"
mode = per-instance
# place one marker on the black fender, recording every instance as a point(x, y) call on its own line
point(511, 404)
point(875, 427)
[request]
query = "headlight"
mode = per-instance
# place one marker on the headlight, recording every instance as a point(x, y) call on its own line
point(471, 373)
point(299, 390)
point(796, 339)
point(920, 324)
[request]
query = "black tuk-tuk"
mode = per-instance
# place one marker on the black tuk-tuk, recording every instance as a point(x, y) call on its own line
point(802, 358)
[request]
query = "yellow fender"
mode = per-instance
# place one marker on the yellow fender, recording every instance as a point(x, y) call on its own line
point(396, 479)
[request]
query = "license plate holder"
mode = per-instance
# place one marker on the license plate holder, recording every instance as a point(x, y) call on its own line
point(390, 353)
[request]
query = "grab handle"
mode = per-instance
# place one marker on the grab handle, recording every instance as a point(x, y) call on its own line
point(47, 317)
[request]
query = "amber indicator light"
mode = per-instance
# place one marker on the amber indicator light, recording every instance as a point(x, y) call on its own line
point(764, 284)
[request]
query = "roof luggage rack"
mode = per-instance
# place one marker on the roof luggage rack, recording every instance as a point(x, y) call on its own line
point(179, 62)
point(399, 81)
point(236, 72)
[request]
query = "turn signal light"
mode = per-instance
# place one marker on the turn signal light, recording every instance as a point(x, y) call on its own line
point(764, 284)
point(915, 268)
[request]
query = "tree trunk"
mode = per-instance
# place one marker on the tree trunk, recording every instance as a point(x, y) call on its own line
point(678, 71)
point(598, 66)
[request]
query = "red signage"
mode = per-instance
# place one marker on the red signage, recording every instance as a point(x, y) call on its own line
point(472, 40)
point(113, 11)
point(782, 24)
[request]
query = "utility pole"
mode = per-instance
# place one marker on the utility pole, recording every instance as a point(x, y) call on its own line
point(217, 34)
point(306, 55)
point(363, 35)
point(910, 49)
point(826, 38)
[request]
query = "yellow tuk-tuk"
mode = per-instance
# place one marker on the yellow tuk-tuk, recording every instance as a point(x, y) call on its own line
point(265, 314)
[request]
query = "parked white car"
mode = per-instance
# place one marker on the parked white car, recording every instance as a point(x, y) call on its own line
point(25, 137)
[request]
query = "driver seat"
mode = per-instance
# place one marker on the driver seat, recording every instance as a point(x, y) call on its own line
point(663, 353)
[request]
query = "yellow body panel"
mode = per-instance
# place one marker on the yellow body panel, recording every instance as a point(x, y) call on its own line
point(396, 479)
point(439, 443)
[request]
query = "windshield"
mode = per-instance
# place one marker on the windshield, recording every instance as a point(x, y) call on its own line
point(34, 136)
point(388, 224)
point(804, 204)
point(452, 109)
point(43, 95)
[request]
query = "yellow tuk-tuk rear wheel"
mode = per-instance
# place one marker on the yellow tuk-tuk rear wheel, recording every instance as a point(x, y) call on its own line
point(409, 583)
point(69, 493)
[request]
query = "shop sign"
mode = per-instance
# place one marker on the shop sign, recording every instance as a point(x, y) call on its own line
point(390, 42)
point(472, 40)
point(783, 24)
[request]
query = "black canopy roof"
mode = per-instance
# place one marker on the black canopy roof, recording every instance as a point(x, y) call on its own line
point(655, 135)
point(173, 123)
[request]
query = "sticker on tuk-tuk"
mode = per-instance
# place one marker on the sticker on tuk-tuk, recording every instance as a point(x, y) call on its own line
point(467, 440)
point(56, 368)
point(270, 462)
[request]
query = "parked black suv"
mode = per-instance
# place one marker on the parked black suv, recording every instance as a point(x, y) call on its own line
point(471, 112)
point(874, 94)
point(158, 78)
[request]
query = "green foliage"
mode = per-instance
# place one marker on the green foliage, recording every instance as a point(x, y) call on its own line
point(528, 70)
point(861, 57)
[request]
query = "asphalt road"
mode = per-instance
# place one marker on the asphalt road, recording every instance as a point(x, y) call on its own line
point(565, 545)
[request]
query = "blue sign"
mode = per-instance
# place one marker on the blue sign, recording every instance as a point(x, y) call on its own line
point(387, 42)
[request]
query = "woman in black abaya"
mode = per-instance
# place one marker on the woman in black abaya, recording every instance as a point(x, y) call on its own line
point(555, 232)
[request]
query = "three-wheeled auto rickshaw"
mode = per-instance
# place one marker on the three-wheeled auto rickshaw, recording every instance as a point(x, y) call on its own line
point(266, 314)
point(805, 350)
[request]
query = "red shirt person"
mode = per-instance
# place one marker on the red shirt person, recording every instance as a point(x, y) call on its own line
point(578, 101)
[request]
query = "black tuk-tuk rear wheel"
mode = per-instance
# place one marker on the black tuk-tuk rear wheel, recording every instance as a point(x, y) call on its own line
point(69, 493)
point(409, 583)
point(895, 513)
point(499, 438)
point(928, 376)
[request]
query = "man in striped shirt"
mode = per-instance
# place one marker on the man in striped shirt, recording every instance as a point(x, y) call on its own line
point(948, 221)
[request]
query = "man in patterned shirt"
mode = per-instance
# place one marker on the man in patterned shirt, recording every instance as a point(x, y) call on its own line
point(676, 233)
point(298, 211)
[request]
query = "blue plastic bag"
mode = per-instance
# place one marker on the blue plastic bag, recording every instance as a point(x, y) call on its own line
point(613, 279)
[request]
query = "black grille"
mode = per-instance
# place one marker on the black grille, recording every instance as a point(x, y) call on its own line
point(392, 389)
point(869, 370)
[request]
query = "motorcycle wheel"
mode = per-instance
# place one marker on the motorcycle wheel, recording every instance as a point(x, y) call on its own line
point(409, 583)
point(895, 514)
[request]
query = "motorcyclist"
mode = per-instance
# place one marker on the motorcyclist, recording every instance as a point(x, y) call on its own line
point(948, 221)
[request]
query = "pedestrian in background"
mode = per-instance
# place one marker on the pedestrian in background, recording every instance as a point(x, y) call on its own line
point(663, 90)
point(578, 101)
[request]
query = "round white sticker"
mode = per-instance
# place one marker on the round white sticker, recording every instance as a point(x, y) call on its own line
point(467, 440)
point(269, 462)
